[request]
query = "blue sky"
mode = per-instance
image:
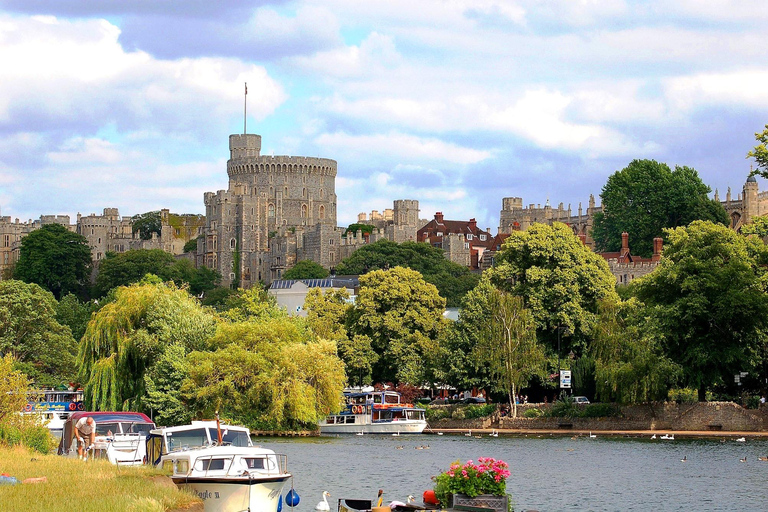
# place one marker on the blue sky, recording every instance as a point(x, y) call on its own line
point(455, 103)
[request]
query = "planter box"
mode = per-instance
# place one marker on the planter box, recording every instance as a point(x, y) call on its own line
point(484, 501)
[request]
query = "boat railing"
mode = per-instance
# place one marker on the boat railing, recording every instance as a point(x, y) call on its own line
point(241, 464)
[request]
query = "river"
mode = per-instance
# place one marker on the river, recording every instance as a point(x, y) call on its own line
point(548, 473)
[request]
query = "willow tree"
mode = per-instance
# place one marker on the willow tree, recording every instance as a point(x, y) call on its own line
point(127, 335)
point(267, 373)
point(508, 343)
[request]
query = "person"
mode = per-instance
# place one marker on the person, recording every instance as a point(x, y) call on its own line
point(85, 428)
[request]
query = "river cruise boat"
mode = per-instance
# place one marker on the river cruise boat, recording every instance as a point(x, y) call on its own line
point(375, 412)
point(120, 436)
point(53, 407)
point(220, 465)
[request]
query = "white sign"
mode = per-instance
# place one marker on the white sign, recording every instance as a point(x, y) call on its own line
point(565, 379)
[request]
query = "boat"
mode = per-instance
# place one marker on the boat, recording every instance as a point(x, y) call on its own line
point(220, 465)
point(120, 436)
point(375, 412)
point(53, 407)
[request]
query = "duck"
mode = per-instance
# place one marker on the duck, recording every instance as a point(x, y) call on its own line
point(744, 459)
point(418, 447)
point(684, 459)
point(323, 505)
point(399, 447)
point(763, 459)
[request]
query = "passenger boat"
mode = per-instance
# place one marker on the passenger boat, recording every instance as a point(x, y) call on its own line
point(220, 465)
point(375, 412)
point(120, 436)
point(53, 407)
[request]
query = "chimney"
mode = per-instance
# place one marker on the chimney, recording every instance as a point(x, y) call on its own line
point(583, 239)
point(624, 247)
point(657, 246)
point(473, 224)
point(439, 217)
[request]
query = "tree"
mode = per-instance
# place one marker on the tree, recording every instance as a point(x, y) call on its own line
point(56, 259)
point(708, 295)
point(452, 280)
point(306, 269)
point(75, 314)
point(127, 336)
point(760, 153)
point(13, 389)
point(147, 224)
point(354, 228)
point(644, 198)
point(191, 245)
point(163, 382)
point(403, 317)
point(758, 227)
point(560, 280)
point(29, 332)
point(509, 345)
point(630, 364)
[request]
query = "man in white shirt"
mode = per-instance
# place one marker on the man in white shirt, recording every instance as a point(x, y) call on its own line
point(85, 428)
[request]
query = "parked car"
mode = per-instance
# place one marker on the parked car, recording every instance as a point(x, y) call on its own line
point(474, 400)
point(579, 400)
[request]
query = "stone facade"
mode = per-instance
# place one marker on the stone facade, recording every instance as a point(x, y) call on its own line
point(515, 217)
point(462, 241)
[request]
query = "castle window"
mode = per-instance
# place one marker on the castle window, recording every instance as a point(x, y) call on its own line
point(99, 239)
point(271, 191)
point(322, 193)
point(304, 192)
point(91, 230)
point(271, 210)
point(231, 276)
point(322, 211)
point(285, 192)
point(232, 243)
point(303, 210)
point(331, 257)
point(330, 242)
point(178, 231)
point(7, 241)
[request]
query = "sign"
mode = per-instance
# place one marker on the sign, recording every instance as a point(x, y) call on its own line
point(565, 379)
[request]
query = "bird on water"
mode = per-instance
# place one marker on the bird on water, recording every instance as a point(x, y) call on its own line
point(323, 505)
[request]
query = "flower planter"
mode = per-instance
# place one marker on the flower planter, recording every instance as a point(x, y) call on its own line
point(497, 503)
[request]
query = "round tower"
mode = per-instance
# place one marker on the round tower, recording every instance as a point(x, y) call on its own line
point(750, 200)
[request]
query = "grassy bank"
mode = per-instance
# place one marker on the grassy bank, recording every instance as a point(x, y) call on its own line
point(93, 486)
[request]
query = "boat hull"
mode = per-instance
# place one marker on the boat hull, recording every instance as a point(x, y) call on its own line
point(395, 427)
point(235, 494)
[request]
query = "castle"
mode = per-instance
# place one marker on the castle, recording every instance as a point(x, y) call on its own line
point(278, 210)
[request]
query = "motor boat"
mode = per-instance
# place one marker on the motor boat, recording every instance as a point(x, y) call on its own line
point(120, 436)
point(53, 407)
point(220, 464)
point(375, 412)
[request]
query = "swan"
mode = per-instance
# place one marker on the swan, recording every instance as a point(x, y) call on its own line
point(741, 440)
point(361, 433)
point(653, 436)
point(323, 505)
point(494, 433)
point(469, 433)
point(439, 433)
point(592, 435)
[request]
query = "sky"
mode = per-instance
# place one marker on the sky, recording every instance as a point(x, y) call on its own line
point(454, 103)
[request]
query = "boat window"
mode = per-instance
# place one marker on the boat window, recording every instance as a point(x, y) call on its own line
point(210, 464)
point(168, 465)
point(254, 463)
point(182, 466)
point(230, 437)
point(186, 439)
point(350, 419)
point(109, 428)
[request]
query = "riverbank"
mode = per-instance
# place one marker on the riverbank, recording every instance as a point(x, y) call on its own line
point(534, 432)
point(93, 486)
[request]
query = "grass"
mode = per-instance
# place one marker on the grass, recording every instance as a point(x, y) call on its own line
point(83, 486)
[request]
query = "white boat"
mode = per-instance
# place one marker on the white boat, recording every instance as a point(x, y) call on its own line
point(220, 465)
point(120, 436)
point(53, 407)
point(375, 412)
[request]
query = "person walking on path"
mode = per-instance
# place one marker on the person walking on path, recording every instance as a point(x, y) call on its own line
point(85, 428)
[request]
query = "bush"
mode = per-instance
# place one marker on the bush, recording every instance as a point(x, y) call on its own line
point(683, 396)
point(567, 408)
point(38, 438)
point(533, 413)
point(437, 413)
point(478, 411)
point(598, 411)
point(459, 413)
point(564, 408)
point(10, 435)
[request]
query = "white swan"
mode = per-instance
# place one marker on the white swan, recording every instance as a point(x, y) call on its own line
point(494, 433)
point(469, 433)
point(741, 440)
point(653, 436)
point(323, 505)
point(592, 435)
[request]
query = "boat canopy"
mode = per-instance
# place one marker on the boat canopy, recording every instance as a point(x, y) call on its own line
point(106, 422)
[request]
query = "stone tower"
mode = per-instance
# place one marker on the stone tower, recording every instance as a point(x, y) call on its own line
point(751, 204)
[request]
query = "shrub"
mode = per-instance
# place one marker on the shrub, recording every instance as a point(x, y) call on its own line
point(459, 413)
point(478, 411)
point(683, 396)
point(598, 411)
point(38, 438)
point(10, 435)
point(437, 413)
point(533, 413)
point(564, 408)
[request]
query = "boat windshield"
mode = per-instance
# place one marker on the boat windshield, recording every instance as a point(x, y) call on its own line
point(231, 437)
point(122, 427)
point(185, 439)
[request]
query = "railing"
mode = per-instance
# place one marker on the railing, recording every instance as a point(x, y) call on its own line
point(274, 465)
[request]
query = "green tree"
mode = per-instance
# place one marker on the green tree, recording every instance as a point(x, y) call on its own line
point(146, 224)
point(191, 245)
point(125, 338)
point(560, 280)
point(760, 153)
point(644, 198)
point(758, 227)
point(204, 280)
point(56, 259)
point(29, 332)
point(73, 313)
point(13, 389)
point(306, 269)
point(509, 345)
point(130, 267)
point(452, 280)
point(403, 317)
point(163, 382)
point(708, 295)
point(630, 364)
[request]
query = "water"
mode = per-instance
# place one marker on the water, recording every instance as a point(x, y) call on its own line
point(548, 473)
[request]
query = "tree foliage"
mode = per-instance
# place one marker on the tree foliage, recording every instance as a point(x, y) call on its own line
point(354, 228)
point(452, 280)
point(560, 280)
point(630, 365)
point(30, 333)
point(644, 198)
point(147, 224)
point(306, 269)
point(709, 298)
point(13, 389)
point(758, 227)
point(56, 259)
point(402, 315)
point(760, 153)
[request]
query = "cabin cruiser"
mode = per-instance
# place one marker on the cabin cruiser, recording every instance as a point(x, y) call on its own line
point(220, 465)
point(53, 407)
point(375, 412)
point(120, 436)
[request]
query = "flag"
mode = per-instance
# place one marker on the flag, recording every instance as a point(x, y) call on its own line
point(246, 88)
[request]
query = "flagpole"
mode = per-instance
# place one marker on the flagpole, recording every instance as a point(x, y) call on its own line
point(245, 108)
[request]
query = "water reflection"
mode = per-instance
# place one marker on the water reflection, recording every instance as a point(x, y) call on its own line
point(548, 473)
